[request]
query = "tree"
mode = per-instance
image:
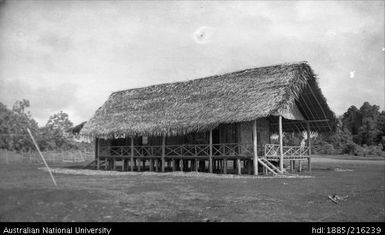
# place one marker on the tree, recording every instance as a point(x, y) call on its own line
point(13, 126)
point(54, 135)
point(368, 131)
point(351, 120)
point(60, 122)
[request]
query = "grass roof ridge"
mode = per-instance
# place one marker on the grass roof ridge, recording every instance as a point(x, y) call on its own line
point(215, 76)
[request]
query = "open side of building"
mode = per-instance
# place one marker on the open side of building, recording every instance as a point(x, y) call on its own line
point(218, 124)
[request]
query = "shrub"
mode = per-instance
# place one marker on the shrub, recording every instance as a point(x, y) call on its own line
point(374, 150)
point(327, 149)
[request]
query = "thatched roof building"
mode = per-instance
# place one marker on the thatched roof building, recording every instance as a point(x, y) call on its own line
point(75, 130)
point(198, 105)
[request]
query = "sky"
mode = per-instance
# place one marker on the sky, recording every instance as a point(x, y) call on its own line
point(71, 55)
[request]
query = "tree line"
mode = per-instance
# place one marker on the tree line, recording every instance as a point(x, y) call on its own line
point(358, 132)
point(54, 135)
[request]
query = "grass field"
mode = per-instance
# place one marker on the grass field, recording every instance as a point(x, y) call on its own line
point(28, 194)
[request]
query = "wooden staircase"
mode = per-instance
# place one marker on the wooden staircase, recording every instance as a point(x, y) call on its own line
point(269, 166)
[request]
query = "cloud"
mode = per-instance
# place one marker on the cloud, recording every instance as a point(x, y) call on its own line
point(70, 55)
point(44, 100)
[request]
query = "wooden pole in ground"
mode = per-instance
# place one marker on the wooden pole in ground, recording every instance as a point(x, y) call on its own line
point(163, 151)
point(156, 165)
point(97, 153)
point(255, 145)
point(224, 166)
point(309, 145)
point(151, 164)
point(114, 163)
point(138, 164)
point(280, 144)
point(132, 154)
point(41, 155)
point(211, 152)
point(239, 166)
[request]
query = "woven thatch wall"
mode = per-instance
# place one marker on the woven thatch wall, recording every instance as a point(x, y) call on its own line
point(201, 104)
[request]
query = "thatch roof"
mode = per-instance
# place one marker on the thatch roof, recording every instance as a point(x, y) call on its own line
point(201, 104)
point(75, 130)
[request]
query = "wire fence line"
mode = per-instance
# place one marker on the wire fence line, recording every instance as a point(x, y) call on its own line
point(72, 156)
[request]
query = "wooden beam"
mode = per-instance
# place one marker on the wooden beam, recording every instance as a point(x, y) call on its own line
point(309, 145)
point(255, 145)
point(163, 151)
point(304, 121)
point(97, 153)
point(280, 144)
point(132, 154)
point(211, 152)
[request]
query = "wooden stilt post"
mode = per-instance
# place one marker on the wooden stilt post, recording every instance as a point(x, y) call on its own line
point(211, 152)
point(309, 145)
point(163, 151)
point(196, 164)
point(255, 145)
point(224, 166)
point(280, 144)
point(97, 159)
point(293, 165)
point(132, 154)
point(173, 165)
point(144, 164)
point(138, 164)
point(239, 166)
point(156, 165)
point(151, 165)
point(299, 165)
point(113, 163)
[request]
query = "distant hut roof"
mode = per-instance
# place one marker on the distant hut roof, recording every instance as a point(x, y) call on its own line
point(200, 104)
point(76, 129)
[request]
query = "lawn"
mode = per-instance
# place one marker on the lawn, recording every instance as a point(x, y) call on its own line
point(28, 194)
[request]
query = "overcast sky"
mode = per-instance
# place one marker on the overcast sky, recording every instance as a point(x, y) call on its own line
point(70, 55)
